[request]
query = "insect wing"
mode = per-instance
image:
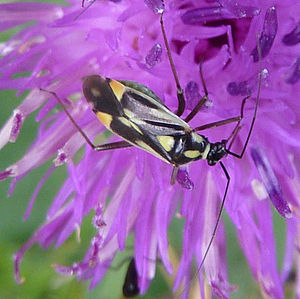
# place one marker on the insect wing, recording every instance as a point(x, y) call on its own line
point(151, 116)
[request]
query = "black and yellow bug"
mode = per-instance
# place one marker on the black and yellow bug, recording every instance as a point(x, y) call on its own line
point(133, 112)
point(136, 114)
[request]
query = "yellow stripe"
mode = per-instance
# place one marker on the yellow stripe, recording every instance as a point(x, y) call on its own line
point(117, 88)
point(130, 124)
point(129, 113)
point(192, 154)
point(206, 151)
point(125, 121)
point(104, 118)
point(136, 128)
point(167, 142)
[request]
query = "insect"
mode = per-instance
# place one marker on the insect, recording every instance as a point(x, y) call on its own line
point(133, 112)
point(130, 286)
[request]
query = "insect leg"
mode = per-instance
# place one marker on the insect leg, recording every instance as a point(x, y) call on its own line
point(203, 99)
point(180, 95)
point(227, 121)
point(102, 147)
point(174, 174)
point(218, 123)
point(237, 128)
point(111, 146)
point(240, 156)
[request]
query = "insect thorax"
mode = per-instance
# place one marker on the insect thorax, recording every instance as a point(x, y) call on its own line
point(189, 147)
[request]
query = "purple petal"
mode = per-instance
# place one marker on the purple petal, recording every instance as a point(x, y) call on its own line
point(215, 263)
point(270, 278)
point(270, 182)
point(5, 174)
point(98, 220)
point(239, 88)
point(289, 250)
point(259, 247)
point(192, 94)
point(238, 10)
point(293, 37)
point(164, 212)
point(294, 73)
point(61, 158)
point(14, 12)
point(183, 179)
point(36, 192)
point(207, 14)
point(17, 125)
point(154, 56)
point(157, 6)
point(268, 34)
point(245, 87)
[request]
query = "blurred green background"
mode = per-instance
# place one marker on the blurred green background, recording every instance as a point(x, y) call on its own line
point(41, 281)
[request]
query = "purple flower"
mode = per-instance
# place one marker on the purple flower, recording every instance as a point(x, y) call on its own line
point(123, 40)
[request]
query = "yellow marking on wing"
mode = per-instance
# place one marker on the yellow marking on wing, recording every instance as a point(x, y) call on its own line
point(167, 142)
point(205, 153)
point(104, 118)
point(136, 128)
point(96, 92)
point(125, 121)
point(117, 88)
point(192, 154)
point(129, 113)
point(138, 121)
point(129, 123)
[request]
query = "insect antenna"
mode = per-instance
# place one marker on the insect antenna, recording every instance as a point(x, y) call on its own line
point(202, 101)
point(174, 174)
point(180, 94)
point(237, 128)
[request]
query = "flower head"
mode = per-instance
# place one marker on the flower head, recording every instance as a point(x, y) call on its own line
point(123, 40)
